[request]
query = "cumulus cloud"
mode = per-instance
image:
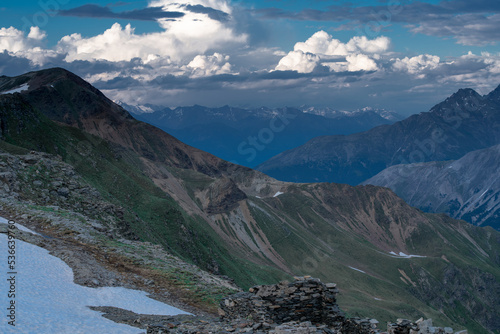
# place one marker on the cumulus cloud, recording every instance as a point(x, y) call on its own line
point(36, 34)
point(362, 44)
point(322, 43)
point(215, 64)
point(416, 64)
point(358, 54)
point(196, 32)
point(16, 43)
point(360, 62)
point(300, 61)
point(13, 40)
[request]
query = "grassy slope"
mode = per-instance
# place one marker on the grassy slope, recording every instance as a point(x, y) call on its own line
point(117, 175)
point(312, 245)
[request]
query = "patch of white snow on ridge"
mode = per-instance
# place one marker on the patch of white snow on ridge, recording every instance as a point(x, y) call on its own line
point(19, 226)
point(402, 255)
point(278, 193)
point(17, 90)
point(361, 271)
point(47, 300)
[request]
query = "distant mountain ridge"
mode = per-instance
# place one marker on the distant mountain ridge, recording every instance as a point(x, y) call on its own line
point(251, 136)
point(464, 122)
point(468, 188)
point(334, 113)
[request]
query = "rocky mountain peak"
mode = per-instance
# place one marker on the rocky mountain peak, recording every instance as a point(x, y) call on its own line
point(494, 95)
point(463, 96)
point(464, 100)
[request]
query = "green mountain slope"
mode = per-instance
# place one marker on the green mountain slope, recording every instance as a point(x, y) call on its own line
point(234, 221)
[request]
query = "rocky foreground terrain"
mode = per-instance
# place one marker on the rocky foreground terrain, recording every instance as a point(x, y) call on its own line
point(80, 227)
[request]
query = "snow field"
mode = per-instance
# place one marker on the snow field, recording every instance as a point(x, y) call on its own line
point(47, 300)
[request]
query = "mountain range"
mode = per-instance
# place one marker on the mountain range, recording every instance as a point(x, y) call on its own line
point(464, 122)
point(251, 136)
point(389, 259)
point(467, 188)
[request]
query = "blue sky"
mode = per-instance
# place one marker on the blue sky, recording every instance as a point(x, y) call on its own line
point(399, 55)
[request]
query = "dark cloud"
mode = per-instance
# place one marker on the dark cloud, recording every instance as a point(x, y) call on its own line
point(466, 6)
point(13, 66)
point(214, 14)
point(467, 29)
point(145, 14)
point(469, 22)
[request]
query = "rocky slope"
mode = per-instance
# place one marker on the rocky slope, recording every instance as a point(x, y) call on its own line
point(464, 122)
point(468, 188)
point(77, 224)
point(234, 221)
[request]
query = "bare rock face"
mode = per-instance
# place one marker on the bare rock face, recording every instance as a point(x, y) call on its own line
point(223, 195)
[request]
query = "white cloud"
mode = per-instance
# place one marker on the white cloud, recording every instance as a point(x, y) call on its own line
point(17, 44)
point(202, 65)
point(360, 62)
point(182, 38)
point(106, 76)
point(493, 62)
point(300, 61)
point(359, 54)
point(37, 34)
point(322, 43)
point(372, 46)
point(13, 40)
point(417, 64)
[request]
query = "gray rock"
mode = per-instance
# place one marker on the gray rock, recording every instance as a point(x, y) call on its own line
point(63, 192)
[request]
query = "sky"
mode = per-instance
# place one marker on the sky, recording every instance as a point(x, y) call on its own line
point(399, 55)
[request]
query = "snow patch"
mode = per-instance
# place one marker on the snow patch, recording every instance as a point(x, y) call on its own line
point(49, 302)
point(404, 256)
point(361, 271)
point(146, 109)
point(17, 90)
point(278, 193)
point(19, 226)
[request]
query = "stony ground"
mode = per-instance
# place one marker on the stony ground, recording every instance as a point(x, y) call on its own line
point(77, 225)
